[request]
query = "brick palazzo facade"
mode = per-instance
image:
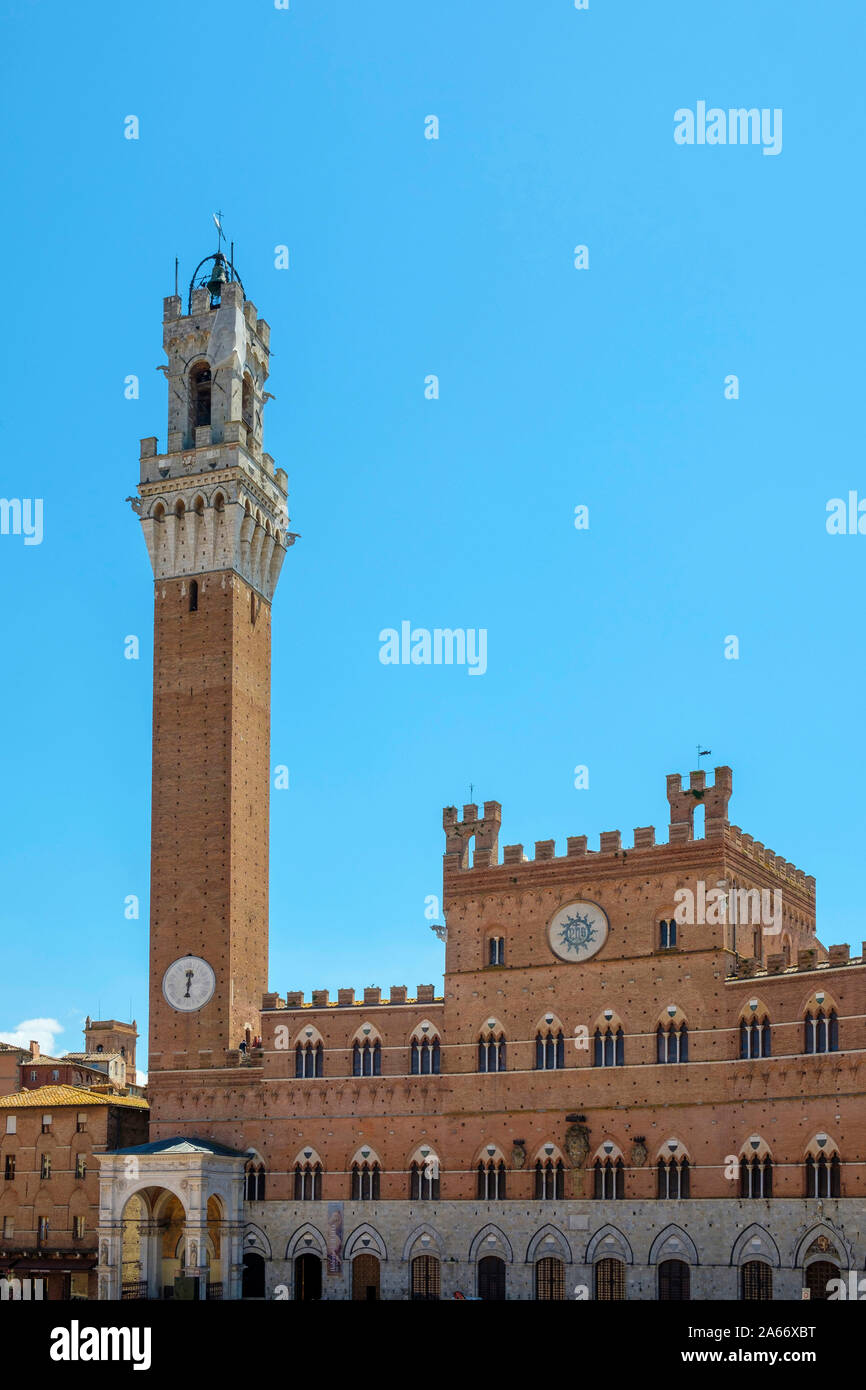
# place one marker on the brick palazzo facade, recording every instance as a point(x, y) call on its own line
point(614, 1095)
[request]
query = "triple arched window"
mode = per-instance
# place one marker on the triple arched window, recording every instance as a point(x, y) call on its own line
point(754, 1038)
point(549, 1050)
point(308, 1182)
point(424, 1057)
point(673, 1178)
point(821, 1031)
point(309, 1059)
point(756, 1176)
point(491, 1179)
point(608, 1048)
point(672, 1043)
point(366, 1058)
point(823, 1176)
point(491, 1052)
point(549, 1180)
point(424, 1179)
point(366, 1181)
point(608, 1179)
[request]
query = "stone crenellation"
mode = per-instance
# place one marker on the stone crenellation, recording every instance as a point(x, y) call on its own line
point(372, 998)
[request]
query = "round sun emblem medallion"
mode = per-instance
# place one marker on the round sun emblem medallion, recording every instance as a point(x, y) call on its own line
point(578, 931)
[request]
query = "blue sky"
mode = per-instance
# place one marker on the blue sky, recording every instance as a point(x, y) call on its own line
point(558, 387)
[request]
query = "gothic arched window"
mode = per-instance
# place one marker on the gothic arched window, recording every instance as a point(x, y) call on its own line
point(491, 1180)
point(365, 1181)
point(254, 1182)
point(309, 1059)
point(754, 1038)
point(673, 1179)
point(823, 1176)
point(549, 1050)
point(199, 396)
point(756, 1176)
point(672, 1043)
point(549, 1180)
point(821, 1031)
point(308, 1182)
point(608, 1048)
point(366, 1058)
point(424, 1057)
point(424, 1180)
point(609, 1179)
point(491, 1052)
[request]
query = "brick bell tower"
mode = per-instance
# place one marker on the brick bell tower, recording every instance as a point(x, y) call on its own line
point(214, 515)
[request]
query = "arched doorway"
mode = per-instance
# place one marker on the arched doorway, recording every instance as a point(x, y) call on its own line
point(674, 1281)
point(491, 1279)
point(550, 1279)
point(756, 1281)
point(817, 1275)
point(610, 1280)
point(426, 1282)
point(365, 1279)
point(308, 1278)
point(253, 1285)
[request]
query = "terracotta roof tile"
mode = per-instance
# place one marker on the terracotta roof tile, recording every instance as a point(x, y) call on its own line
point(56, 1096)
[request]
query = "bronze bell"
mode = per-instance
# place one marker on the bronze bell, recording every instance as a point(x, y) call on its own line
point(218, 277)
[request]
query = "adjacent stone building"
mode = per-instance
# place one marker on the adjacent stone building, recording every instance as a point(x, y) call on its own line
point(50, 1139)
point(641, 1077)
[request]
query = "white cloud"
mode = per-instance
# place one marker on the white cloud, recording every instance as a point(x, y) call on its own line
point(41, 1030)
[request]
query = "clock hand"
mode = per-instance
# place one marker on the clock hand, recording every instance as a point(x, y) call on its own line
point(189, 975)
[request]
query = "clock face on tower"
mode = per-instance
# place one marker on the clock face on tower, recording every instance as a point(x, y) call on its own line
point(188, 983)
